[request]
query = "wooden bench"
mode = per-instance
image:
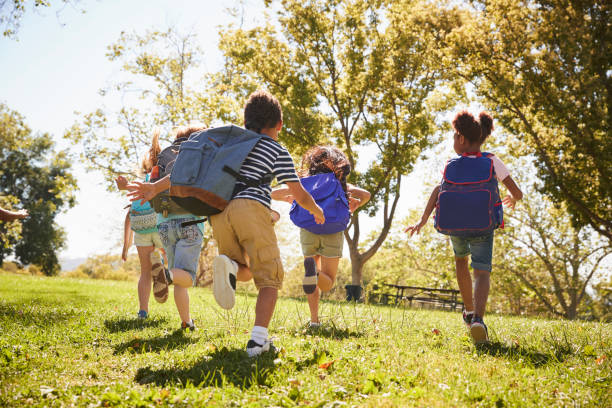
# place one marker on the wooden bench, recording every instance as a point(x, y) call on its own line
point(444, 298)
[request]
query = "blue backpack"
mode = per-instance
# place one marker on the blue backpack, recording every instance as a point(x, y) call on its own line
point(329, 195)
point(468, 202)
point(204, 175)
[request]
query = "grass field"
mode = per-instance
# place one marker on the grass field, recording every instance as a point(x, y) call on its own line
point(66, 342)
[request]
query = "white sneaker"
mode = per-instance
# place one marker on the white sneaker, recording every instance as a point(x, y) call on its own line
point(224, 281)
point(254, 349)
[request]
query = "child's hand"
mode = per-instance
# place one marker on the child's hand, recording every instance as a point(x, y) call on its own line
point(319, 216)
point(121, 182)
point(509, 201)
point(415, 228)
point(141, 191)
point(21, 214)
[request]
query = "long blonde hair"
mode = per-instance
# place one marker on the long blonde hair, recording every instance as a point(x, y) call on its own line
point(150, 158)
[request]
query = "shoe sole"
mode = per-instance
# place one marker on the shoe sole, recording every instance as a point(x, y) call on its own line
point(309, 282)
point(160, 284)
point(225, 295)
point(479, 333)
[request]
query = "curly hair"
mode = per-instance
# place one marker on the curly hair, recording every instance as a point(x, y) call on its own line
point(326, 159)
point(467, 126)
point(262, 111)
point(475, 131)
point(486, 125)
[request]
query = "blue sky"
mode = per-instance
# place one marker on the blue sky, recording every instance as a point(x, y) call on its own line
point(57, 66)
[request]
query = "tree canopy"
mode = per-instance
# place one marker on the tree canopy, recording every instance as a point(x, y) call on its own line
point(40, 179)
point(544, 68)
point(364, 75)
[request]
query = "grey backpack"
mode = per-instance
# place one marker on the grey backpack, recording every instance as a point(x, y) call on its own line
point(203, 179)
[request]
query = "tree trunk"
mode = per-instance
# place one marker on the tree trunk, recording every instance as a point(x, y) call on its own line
point(356, 270)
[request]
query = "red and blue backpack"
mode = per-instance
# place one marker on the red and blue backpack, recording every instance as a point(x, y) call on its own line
point(469, 204)
point(331, 197)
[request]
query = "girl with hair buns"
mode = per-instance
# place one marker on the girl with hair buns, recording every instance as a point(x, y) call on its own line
point(468, 138)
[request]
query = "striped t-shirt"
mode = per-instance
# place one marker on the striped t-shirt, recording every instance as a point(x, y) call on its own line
point(268, 157)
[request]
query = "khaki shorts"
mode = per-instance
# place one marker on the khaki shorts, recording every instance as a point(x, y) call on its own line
point(150, 239)
point(244, 231)
point(327, 245)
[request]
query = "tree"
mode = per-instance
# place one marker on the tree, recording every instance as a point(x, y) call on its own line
point(164, 87)
point(360, 73)
point(10, 232)
point(544, 67)
point(550, 258)
point(161, 89)
point(40, 179)
point(12, 11)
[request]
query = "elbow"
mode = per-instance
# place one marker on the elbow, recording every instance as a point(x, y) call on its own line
point(519, 195)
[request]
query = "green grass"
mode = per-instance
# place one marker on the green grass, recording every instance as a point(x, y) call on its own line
point(70, 342)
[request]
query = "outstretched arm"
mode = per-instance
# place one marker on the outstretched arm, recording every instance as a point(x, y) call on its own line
point(358, 197)
point(6, 215)
point(305, 200)
point(515, 192)
point(282, 194)
point(431, 204)
point(146, 191)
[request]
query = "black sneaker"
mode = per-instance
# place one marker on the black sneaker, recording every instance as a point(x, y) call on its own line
point(467, 318)
point(254, 349)
point(479, 331)
point(188, 325)
point(309, 282)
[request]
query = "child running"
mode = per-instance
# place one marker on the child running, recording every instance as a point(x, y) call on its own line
point(469, 135)
point(244, 230)
point(141, 220)
point(182, 244)
point(322, 252)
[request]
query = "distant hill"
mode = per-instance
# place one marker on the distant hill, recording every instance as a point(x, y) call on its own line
point(69, 264)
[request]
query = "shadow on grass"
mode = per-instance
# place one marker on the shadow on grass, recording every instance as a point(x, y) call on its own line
point(122, 324)
point(332, 332)
point(222, 367)
point(528, 356)
point(41, 315)
point(169, 342)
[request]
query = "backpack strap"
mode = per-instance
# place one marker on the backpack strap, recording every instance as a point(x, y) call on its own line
point(267, 179)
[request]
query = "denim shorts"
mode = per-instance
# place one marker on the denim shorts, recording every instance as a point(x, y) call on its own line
point(481, 249)
point(182, 244)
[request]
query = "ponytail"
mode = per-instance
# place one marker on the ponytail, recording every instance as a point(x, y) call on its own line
point(151, 158)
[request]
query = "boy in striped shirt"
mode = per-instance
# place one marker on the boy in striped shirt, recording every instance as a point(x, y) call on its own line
point(244, 231)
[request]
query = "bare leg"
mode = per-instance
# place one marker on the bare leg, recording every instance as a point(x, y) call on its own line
point(244, 273)
point(182, 281)
point(313, 305)
point(464, 280)
point(144, 282)
point(264, 309)
point(328, 268)
point(481, 290)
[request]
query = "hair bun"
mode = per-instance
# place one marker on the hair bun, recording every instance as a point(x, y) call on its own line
point(486, 124)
